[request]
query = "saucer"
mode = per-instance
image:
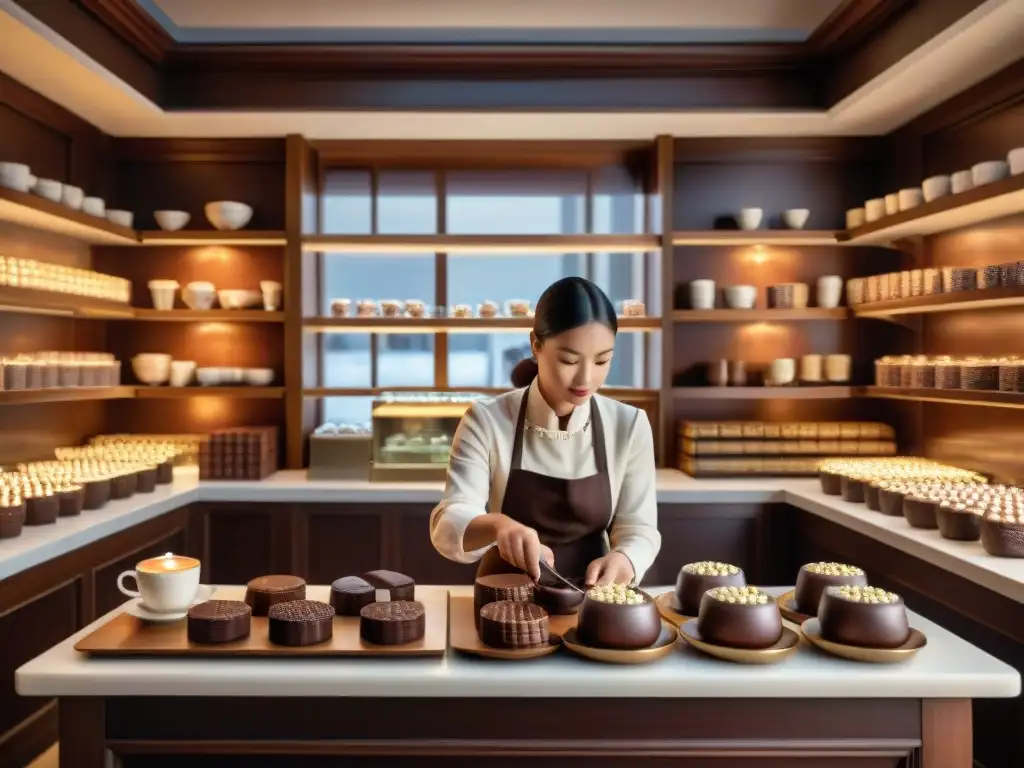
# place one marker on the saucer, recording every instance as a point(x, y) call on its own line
point(662, 647)
point(135, 607)
point(787, 607)
point(666, 603)
point(783, 649)
point(811, 629)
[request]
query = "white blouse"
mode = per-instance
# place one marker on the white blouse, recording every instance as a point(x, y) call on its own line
point(481, 457)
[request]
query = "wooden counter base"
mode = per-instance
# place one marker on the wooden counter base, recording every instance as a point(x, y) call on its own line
point(718, 733)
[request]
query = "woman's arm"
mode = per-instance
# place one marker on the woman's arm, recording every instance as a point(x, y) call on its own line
point(634, 530)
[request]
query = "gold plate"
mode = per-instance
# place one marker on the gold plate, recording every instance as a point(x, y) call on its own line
point(666, 607)
point(787, 607)
point(664, 645)
point(463, 636)
point(783, 649)
point(811, 629)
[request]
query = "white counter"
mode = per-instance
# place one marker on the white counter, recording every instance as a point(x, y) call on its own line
point(947, 667)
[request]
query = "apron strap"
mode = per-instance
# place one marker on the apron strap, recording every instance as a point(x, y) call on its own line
point(517, 442)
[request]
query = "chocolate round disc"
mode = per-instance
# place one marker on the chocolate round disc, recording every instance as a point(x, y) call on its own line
point(350, 593)
point(393, 623)
point(300, 622)
point(218, 621)
point(265, 591)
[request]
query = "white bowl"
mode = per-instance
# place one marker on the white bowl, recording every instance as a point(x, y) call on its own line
point(740, 296)
point(795, 218)
point(874, 208)
point(1015, 159)
point(227, 214)
point(259, 377)
point(208, 377)
point(989, 171)
point(962, 181)
point(750, 218)
point(171, 221)
point(152, 368)
point(911, 197)
point(94, 206)
point(892, 204)
point(182, 372)
point(198, 297)
point(121, 218)
point(239, 299)
point(855, 218)
point(72, 197)
point(936, 187)
point(49, 189)
point(16, 176)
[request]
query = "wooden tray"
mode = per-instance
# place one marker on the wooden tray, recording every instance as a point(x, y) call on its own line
point(464, 637)
point(126, 635)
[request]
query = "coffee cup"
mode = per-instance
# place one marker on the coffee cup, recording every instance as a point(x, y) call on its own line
point(702, 294)
point(167, 584)
point(740, 296)
point(781, 372)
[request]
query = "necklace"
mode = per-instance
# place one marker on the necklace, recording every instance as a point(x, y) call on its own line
point(557, 434)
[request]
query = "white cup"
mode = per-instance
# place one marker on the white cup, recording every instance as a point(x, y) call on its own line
point(855, 217)
point(911, 197)
point(94, 206)
point(740, 296)
point(962, 181)
point(782, 371)
point(829, 291)
point(935, 187)
point(1015, 159)
point(271, 290)
point(795, 218)
point(837, 368)
point(182, 372)
point(72, 197)
point(16, 176)
point(48, 189)
point(892, 204)
point(167, 584)
point(810, 368)
point(874, 209)
point(750, 218)
point(702, 294)
point(163, 292)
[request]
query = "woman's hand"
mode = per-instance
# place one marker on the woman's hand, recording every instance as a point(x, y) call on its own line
point(613, 568)
point(520, 546)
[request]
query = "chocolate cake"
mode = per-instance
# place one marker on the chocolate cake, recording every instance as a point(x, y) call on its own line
point(852, 488)
point(499, 587)
point(70, 499)
point(12, 518)
point(350, 594)
point(739, 617)
point(264, 592)
point(513, 624)
point(97, 492)
point(146, 480)
point(869, 617)
point(831, 483)
point(41, 510)
point(871, 496)
point(814, 578)
point(958, 521)
point(393, 623)
point(1002, 533)
point(890, 499)
point(697, 578)
point(218, 621)
point(400, 586)
point(165, 472)
point(300, 622)
point(123, 485)
point(920, 511)
point(616, 616)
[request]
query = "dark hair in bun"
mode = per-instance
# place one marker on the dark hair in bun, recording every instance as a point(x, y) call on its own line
point(569, 303)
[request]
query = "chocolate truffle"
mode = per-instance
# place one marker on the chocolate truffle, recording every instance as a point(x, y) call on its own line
point(958, 521)
point(511, 624)
point(814, 578)
point(218, 621)
point(400, 586)
point(739, 617)
point(920, 512)
point(393, 623)
point(697, 578)
point(300, 622)
point(498, 587)
point(869, 617)
point(616, 616)
point(265, 591)
point(350, 594)
point(1002, 533)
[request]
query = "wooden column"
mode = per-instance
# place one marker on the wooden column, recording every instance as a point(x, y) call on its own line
point(946, 736)
point(664, 177)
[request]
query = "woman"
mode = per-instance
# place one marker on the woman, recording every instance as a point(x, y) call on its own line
point(552, 470)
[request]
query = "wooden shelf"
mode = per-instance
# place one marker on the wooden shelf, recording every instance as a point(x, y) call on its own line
point(763, 393)
point(65, 395)
point(209, 315)
point(481, 245)
point(959, 301)
point(989, 201)
point(36, 212)
point(756, 237)
point(757, 315)
point(957, 396)
point(238, 392)
point(449, 324)
point(618, 393)
point(213, 237)
point(36, 302)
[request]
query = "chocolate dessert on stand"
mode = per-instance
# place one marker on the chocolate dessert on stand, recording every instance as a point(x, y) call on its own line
point(264, 592)
point(697, 578)
point(739, 617)
point(400, 586)
point(1002, 531)
point(502, 587)
point(218, 621)
point(394, 622)
point(814, 578)
point(619, 617)
point(958, 521)
point(864, 616)
point(919, 508)
point(300, 622)
point(350, 594)
point(513, 624)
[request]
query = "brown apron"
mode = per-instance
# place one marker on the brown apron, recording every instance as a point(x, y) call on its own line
point(570, 516)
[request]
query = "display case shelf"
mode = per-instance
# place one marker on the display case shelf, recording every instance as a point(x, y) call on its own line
point(479, 244)
point(64, 395)
point(36, 302)
point(239, 392)
point(36, 212)
point(449, 324)
point(758, 315)
point(991, 298)
point(626, 394)
point(956, 396)
point(213, 237)
point(763, 393)
point(757, 237)
point(209, 315)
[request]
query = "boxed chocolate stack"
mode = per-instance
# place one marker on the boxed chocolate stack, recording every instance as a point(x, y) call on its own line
point(244, 453)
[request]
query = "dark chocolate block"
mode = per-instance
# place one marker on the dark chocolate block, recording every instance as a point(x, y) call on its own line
point(218, 621)
point(300, 622)
point(400, 586)
point(513, 624)
point(350, 594)
point(392, 623)
point(265, 591)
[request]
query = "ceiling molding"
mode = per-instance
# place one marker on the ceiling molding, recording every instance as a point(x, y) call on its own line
point(134, 25)
point(849, 24)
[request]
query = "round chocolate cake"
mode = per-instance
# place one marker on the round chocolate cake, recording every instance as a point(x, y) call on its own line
point(393, 623)
point(71, 499)
point(41, 510)
point(350, 593)
point(852, 488)
point(513, 624)
point(920, 511)
point(400, 586)
point(697, 578)
point(617, 616)
point(263, 592)
point(218, 621)
point(1002, 533)
point(499, 587)
point(871, 496)
point(958, 521)
point(814, 578)
point(739, 617)
point(831, 482)
point(869, 617)
point(890, 499)
point(12, 518)
point(300, 622)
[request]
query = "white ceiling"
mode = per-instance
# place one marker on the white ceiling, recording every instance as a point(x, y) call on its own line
point(977, 46)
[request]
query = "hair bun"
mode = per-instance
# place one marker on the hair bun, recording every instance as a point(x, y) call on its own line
point(524, 373)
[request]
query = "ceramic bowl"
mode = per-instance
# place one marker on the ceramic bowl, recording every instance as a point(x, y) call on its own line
point(259, 377)
point(239, 299)
point(559, 600)
point(855, 217)
point(1015, 159)
point(48, 189)
point(796, 218)
point(16, 176)
point(199, 295)
point(119, 217)
point(72, 197)
point(94, 206)
point(152, 368)
point(750, 218)
point(623, 627)
point(961, 182)
point(208, 377)
point(989, 171)
point(227, 214)
point(936, 187)
point(171, 221)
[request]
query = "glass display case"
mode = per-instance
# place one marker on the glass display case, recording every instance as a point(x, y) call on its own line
point(412, 434)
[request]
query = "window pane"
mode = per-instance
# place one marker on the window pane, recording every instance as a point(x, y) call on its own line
point(346, 360)
point(405, 360)
point(618, 203)
point(346, 203)
point(406, 203)
point(347, 410)
point(516, 202)
point(485, 359)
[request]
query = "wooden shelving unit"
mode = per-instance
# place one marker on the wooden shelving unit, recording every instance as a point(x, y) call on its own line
point(208, 315)
point(36, 302)
point(975, 206)
point(757, 237)
point(213, 237)
point(479, 244)
point(450, 324)
point(960, 301)
point(764, 393)
point(30, 210)
point(239, 392)
point(626, 394)
point(958, 396)
point(64, 395)
point(758, 315)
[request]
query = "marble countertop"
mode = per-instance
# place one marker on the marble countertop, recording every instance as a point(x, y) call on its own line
point(947, 667)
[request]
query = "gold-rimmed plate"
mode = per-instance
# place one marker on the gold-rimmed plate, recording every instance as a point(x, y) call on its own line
point(783, 649)
point(662, 647)
point(666, 603)
point(787, 607)
point(811, 629)
point(463, 636)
